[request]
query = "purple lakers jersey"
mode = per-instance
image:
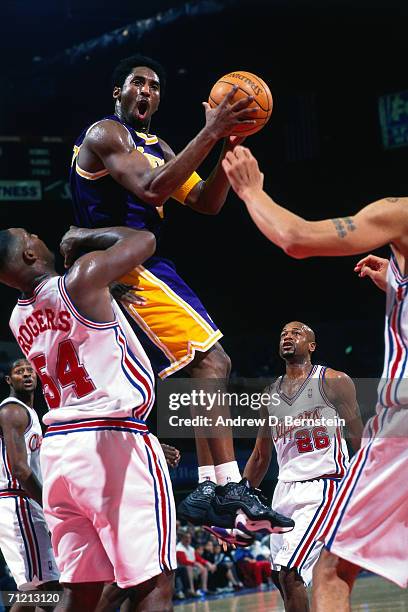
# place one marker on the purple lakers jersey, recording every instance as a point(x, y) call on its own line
point(99, 201)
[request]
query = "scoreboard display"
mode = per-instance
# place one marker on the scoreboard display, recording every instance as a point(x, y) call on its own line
point(393, 111)
point(34, 170)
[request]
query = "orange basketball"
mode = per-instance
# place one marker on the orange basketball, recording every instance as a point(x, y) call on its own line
point(248, 85)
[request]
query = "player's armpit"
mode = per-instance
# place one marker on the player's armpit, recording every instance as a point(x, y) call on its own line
point(341, 392)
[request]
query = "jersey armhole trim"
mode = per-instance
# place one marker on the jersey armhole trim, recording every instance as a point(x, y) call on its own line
point(75, 312)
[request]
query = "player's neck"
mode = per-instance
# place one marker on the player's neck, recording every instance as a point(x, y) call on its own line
point(138, 127)
point(26, 397)
point(31, 283)
point(298, 369)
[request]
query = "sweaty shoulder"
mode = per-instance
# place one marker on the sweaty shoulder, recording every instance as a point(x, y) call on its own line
point(335, 374)
point(108, 132)
point(338, 385)
point(14, 415)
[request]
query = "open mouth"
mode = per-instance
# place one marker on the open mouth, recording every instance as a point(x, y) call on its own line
point(142, 108)
point(287, 346)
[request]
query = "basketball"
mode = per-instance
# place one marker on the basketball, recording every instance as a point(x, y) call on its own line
point(248, 85)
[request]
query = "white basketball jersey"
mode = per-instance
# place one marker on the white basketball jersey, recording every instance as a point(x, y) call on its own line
point(393, 387)
point(87, 369)
point(314, 447)
point(33, 439)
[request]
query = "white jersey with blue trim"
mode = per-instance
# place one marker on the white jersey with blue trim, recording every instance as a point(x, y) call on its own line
point(393, 386)
point(32, 438)
point(306, 431)
point(88, 369)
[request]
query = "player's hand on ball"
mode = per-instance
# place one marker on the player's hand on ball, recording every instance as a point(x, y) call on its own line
point(126, 293)
point(172, 455)
point(222, 120)
point(242, 170)
point(375, 268)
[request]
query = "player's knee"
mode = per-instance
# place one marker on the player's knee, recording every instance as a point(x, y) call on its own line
point(217, 363)
point(326, 567)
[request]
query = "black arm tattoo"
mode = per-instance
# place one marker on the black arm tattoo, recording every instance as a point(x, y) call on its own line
point(344, 225)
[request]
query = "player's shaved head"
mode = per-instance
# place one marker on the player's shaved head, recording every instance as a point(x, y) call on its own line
point(297, 342)
point(9, 241)
point(303, 327)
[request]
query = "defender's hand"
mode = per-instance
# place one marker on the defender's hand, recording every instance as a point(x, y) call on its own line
point(224, 118)
point(172, 455)
point(375, 268)
point(70, 244)
point(242, 171)
point(126, 293)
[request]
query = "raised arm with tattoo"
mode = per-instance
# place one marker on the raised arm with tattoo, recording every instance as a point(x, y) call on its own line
point(379, 223)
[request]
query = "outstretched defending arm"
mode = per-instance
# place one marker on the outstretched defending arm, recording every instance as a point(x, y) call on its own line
point(377, 224)
point(13, 422)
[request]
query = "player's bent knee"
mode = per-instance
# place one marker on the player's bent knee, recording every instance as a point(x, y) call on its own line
point(330, 567)
point(216, 362)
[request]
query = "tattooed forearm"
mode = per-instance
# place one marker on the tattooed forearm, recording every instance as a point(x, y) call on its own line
point(344, 225)
point(349, 224)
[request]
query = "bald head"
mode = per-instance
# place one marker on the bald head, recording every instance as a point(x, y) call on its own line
point(23, 257)
point(297, 341)
point(305, 328)
point(8, 244)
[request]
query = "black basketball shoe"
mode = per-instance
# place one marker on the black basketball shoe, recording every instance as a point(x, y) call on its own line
point(197, 508)
point(240, 496)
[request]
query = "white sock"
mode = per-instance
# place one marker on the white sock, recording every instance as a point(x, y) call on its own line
point(227, 472)
point(206, 472)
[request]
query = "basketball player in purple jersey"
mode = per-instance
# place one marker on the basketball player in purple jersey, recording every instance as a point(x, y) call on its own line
point(122, 175)
point(367, 525)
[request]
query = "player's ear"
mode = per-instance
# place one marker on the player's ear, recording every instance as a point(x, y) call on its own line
point(29, 257)
point(7, 379)
point(312, 347)
point(117, 91)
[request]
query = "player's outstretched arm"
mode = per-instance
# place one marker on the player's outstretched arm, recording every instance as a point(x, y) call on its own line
point(13, 422)
point(341, 392)
point(258, 463)
point(111, 143)
point(375, 225)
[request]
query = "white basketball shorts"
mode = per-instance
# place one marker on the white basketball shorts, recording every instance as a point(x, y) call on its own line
point(368, 521)
point(307, 503)
point(25, 541)
point(108, 501)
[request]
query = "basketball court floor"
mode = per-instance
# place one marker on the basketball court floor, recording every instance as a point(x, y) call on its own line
point(371, 594)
